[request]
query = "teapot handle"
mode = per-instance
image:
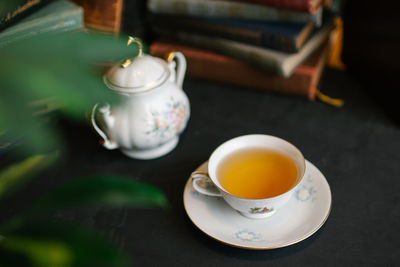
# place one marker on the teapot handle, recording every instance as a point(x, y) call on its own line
point(105, 111)
point(181, 66)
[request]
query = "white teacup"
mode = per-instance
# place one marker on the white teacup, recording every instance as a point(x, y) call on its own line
point(209, 184)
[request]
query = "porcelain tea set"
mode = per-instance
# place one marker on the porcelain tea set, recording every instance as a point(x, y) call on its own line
point(147, 123)
point(154, 109)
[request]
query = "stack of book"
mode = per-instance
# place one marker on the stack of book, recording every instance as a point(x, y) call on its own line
point(272, 45)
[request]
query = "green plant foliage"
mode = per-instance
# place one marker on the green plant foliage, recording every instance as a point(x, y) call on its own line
point(18, 173)
point(26, 240)
point(39, 252)
point(60, 244)
point(62, 70)
point(108, 191)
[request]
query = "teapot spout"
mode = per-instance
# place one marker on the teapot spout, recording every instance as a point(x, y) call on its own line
point(108, 121)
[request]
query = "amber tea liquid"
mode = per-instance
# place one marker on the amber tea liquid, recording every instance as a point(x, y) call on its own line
point(257, 173)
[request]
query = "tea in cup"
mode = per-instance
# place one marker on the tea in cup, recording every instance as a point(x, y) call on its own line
point(255, 174)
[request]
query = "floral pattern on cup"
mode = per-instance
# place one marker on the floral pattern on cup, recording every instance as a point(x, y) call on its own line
point(172, 119)
point(260, 210)
point(246, 235)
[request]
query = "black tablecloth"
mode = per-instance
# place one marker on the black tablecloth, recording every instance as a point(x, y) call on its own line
point(356, 147)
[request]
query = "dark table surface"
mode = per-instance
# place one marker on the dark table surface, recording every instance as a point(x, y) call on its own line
point(356, 147)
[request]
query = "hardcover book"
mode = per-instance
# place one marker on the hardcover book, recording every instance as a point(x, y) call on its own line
point(270, 60)
point(11, 11)
point(231, 9)
point(283, 36)
point(60, 15)
point(310, 6)
point(206, 65)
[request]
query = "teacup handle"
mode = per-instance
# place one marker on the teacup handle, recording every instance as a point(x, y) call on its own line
point(202, 183)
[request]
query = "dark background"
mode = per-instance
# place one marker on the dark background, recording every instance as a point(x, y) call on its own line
point(371, 50)
point(356, 148)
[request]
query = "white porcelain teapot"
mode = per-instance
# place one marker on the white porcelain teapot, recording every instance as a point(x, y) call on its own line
point(154, 109)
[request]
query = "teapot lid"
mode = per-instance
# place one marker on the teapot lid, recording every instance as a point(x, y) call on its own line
point(139, 74)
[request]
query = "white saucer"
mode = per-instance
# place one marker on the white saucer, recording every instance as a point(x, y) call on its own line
point(301, 217)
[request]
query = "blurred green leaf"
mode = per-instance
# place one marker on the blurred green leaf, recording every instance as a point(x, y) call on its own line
point(66, 68)
point(39, 252)
point(58, 244)
point(110, 191)
point(20, 172)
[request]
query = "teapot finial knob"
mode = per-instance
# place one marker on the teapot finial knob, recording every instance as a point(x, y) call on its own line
point(140, 46)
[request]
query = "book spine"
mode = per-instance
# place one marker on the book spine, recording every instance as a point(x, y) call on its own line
point(230, 9)
point(309, 6)
point(273, 40)
point(267, 59)
point(52, 23)
point(102, 15)
point(12, 11)
point(279, 42)
point(240, 51)
point(218, 68)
